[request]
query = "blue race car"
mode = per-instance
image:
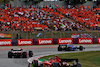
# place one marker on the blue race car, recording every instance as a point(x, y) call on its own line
point(69, 47)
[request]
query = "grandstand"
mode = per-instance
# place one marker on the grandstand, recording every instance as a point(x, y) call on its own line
point(33, 19)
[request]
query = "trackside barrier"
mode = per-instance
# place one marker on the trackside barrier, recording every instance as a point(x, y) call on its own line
point(23, 42)
point(95, 40)
point(14, 42)
point(85, 40)
point(35, 41)
point(65, 40)
point(45, 41)
point(75, 40)
point(5, 42)
point(48, 41)
point(55, 40)
point(98, 40)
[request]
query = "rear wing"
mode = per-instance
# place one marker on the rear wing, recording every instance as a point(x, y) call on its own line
point(69, 60)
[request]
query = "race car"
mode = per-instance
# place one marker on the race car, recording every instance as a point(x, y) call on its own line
point(17, 53)
point(56, 62)
point(69, 47)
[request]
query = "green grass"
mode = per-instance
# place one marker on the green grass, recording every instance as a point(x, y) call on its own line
point(87, 59)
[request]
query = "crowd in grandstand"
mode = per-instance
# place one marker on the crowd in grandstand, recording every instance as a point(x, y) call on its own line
point(27, 19)
point(23, 19)
point(88, 17)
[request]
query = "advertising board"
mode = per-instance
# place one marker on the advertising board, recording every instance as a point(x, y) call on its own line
point(23, 42)
point(85, 41)
point(5, 42)
point(65, 40)
point(46, 41)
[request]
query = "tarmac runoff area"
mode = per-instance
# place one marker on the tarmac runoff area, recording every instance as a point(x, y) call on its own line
point(40, 50)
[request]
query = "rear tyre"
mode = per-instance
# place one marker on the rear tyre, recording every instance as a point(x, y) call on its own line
point(35, 63)
point(24, 55)
point(9, 54)
point(80, 48)
point(30, 53)
point(59, 49)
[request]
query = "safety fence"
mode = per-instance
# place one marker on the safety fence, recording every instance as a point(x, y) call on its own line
point(48, 41)
point(50, 34)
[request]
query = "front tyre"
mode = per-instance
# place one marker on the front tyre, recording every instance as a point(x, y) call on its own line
point(35, 63)
point(30, 53)
point(9, 54)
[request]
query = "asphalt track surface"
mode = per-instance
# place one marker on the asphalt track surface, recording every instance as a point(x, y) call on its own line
point(37, 50)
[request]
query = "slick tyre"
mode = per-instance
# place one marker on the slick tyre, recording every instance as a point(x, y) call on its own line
point(24, 55)
point(9, 54)
point(59, 49)
point(81, 48)
point(30, 53)
point(35, 63)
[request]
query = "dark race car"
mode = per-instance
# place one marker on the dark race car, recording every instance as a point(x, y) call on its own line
point(17, 53)
point(69, 47)
point(56, 62)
